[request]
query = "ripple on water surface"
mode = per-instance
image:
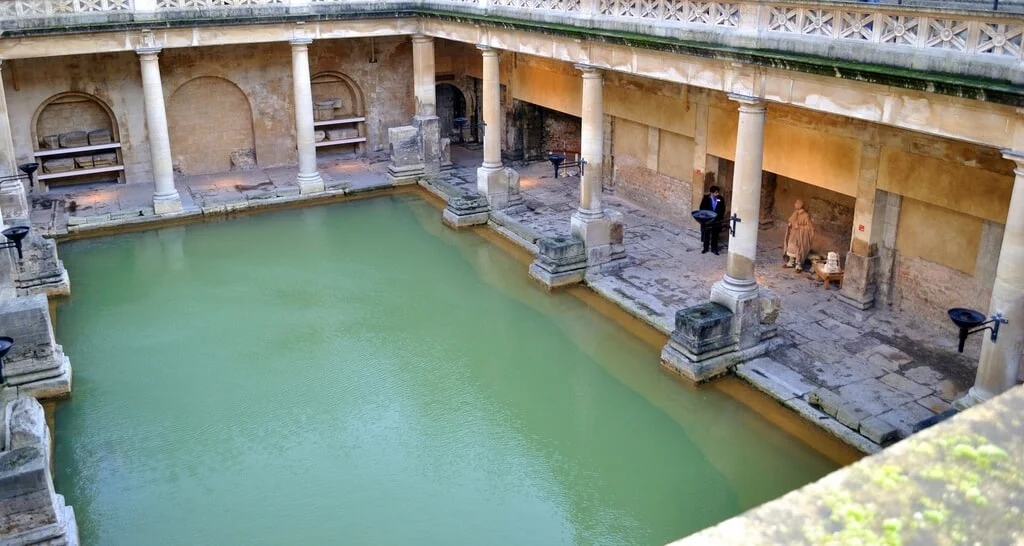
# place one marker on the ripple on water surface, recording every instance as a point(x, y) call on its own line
point(358, 374)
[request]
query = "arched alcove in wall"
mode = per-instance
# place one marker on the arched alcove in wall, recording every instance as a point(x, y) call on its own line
point(72, 111)
point(336, 85)
point(209, 119)
point(451, 104)
point(339, 112)
point(76, 140)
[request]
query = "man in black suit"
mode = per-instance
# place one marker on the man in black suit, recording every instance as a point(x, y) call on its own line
point(709, 232)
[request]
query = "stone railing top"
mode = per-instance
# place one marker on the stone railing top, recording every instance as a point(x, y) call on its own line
point(959, 482)
point(965, 38)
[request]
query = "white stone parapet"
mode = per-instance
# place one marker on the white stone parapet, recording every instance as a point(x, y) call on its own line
point(993, 40)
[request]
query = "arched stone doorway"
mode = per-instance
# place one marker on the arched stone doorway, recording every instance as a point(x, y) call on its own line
point(451, 104)
point(209, 118)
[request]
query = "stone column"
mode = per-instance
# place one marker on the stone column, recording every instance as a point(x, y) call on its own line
point(492, 109)
point(738, 289)
point(600, 230)
point(165, 196)
point(423, 75)
point(860, 280)
point(591, 142)
point(309, 177)
point(425, 120)
point(13, 198)
point(499, 184)
point(1000, 360)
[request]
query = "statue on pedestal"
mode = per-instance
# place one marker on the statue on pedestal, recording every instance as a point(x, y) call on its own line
point(799, 235)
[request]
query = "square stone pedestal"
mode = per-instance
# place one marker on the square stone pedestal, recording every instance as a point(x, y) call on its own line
point(14, 201)
point(167, 204)
point(710, 338)
point(40, 271)
point(310, 183)
point(36, 366)
point(602, 236)
point(466, 210)
point(860, 280)
point(561, 261)
point(501, 187)
point(406, 162)
point(703, 334)
point(428, 130)
point(33, 513)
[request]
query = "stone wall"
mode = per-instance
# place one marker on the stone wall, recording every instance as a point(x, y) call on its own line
point(831, 212)
point(218, 98)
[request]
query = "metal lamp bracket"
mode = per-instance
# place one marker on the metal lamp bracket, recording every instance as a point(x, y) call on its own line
point(733, 219)
point(995, 320)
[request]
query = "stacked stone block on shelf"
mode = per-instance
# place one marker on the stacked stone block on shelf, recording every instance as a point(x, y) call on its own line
point(36, 365)
point(31, 512)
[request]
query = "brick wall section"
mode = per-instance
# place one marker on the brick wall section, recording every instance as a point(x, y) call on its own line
point(208, 118)
point(561, 131)
point(664, 195)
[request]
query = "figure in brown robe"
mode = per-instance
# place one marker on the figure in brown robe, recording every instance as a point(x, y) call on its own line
point(799, 235)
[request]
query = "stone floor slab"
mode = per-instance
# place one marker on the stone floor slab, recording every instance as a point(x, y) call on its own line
point(874, 396)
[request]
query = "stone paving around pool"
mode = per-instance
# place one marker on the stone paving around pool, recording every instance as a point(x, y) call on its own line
point(866, 376)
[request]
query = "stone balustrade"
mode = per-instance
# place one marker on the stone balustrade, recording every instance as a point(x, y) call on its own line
point(973, 40)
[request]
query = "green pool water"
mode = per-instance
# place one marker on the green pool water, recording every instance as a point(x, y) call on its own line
point(358, 374)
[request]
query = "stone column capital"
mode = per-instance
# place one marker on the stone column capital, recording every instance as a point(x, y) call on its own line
point(589, 71)
point(422, 39)
point(1017, 158)
point(487, 50)
point(149, 52)
point(753, 105)
point(300, 42)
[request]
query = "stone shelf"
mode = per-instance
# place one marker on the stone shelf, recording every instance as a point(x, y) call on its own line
point(342, 141)
point(341, 121)
point(62, 151)
point(80, 172)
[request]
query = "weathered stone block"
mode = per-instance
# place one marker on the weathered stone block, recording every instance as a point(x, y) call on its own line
point(36, 356)
point(561, 261)
point(561, 250)
point(26, 424)
point(703, 327)
point(877, 430)
point(769, 305)
point(825, 400)
point(406, 154)
point(41, 271)
point(30, 511)
point(466, 210)
point(860, 280)
point(851, 415)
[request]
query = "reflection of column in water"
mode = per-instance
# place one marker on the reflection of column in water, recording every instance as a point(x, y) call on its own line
point(172, 243)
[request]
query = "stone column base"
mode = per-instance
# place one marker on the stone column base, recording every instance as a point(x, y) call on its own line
point(745, 302)
point(466, 210)
point(501, 187)
point(561, 261)
point(36, 365)
point(707, 366)
point(310, 183)
point(14, 201)
point(859, 280)
point(40, 271)
point(33, 512)
point(973, 397)
point(602, 237)
point(167, 204)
